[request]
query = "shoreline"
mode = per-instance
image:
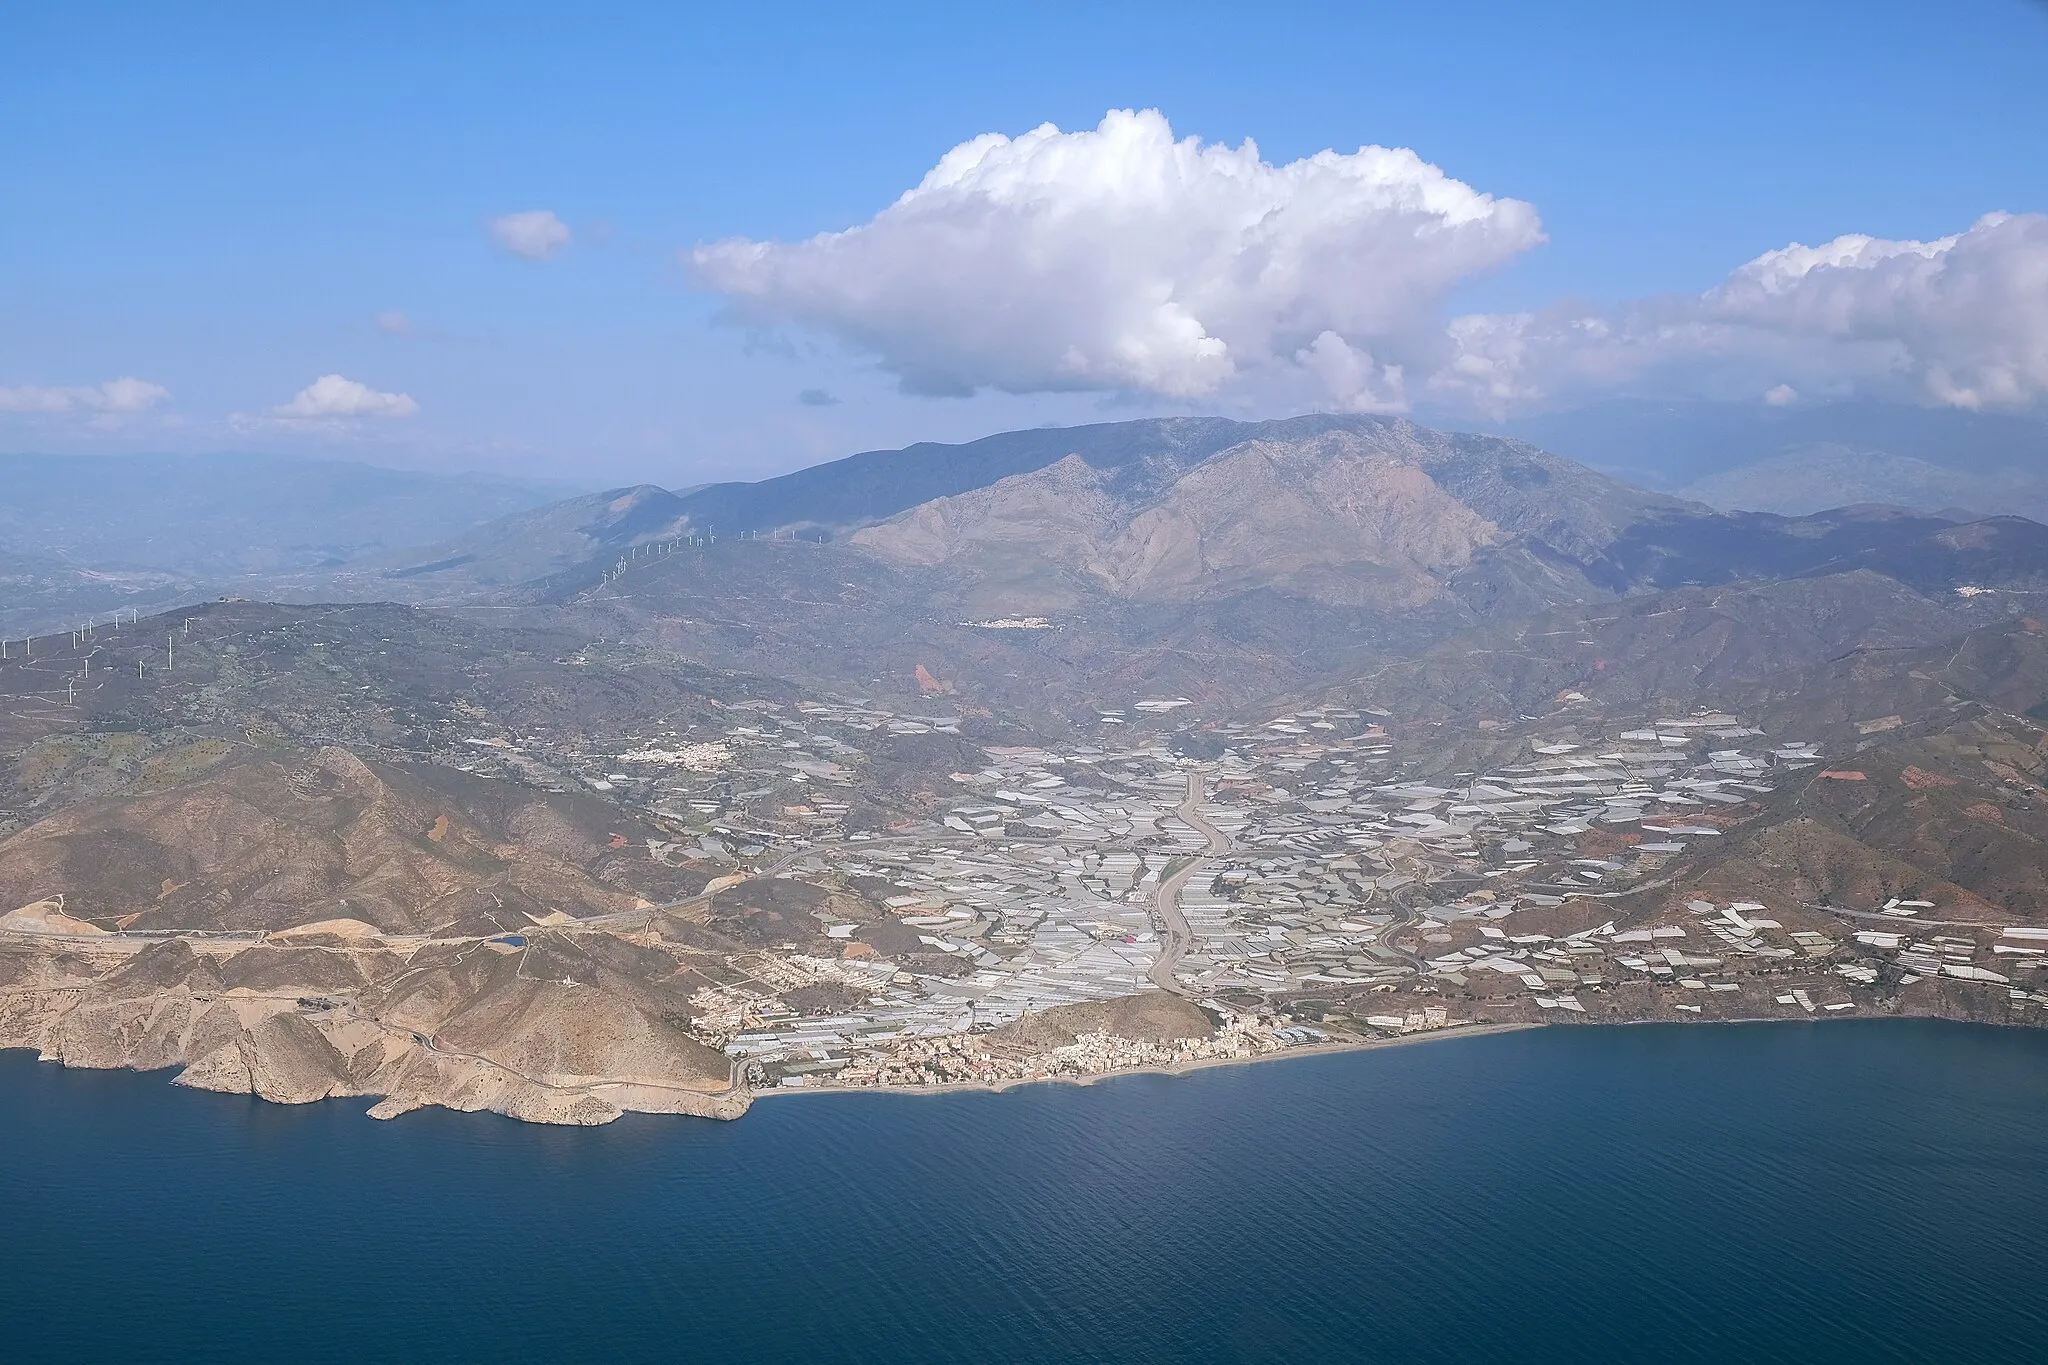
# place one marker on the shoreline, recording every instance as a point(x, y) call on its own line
point(1168, 1069)
point(1331, 1049)
point(744, 1097)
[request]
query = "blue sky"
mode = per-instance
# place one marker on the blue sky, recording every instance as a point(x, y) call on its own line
point(222, 201)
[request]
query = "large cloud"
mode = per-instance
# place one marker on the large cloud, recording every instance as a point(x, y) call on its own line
point(333, 396)
point(1121, 259)
point(115, 396)
point(1960, 321)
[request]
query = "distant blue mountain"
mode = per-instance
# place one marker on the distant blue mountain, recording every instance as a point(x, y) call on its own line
point(1671, 445)
point(211, 515)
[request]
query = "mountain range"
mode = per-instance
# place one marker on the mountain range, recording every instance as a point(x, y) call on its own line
point(89, 535)
point(1810, 456)
point(562, 813)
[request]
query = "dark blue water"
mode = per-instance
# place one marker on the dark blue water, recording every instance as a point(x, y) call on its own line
point(1841, 1192)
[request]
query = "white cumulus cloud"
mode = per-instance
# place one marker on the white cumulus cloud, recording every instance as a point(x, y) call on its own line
point(1119, 258)
point(333, 396)
point(1959, 321)
point(125, 395)
point(535, 234)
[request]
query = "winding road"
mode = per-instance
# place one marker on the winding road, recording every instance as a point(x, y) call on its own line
point(1406, 919)
point(1176, 938)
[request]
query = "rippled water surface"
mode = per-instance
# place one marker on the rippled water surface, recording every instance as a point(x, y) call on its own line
point(1837, 1192)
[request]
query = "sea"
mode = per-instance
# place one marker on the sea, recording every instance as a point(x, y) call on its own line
point(1838, 1191)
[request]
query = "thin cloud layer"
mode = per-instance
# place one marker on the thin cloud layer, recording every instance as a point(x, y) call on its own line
point(1960, 321)
point(1121, 259)
point(127, 395)
point(333, 396)
point(533, 235)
